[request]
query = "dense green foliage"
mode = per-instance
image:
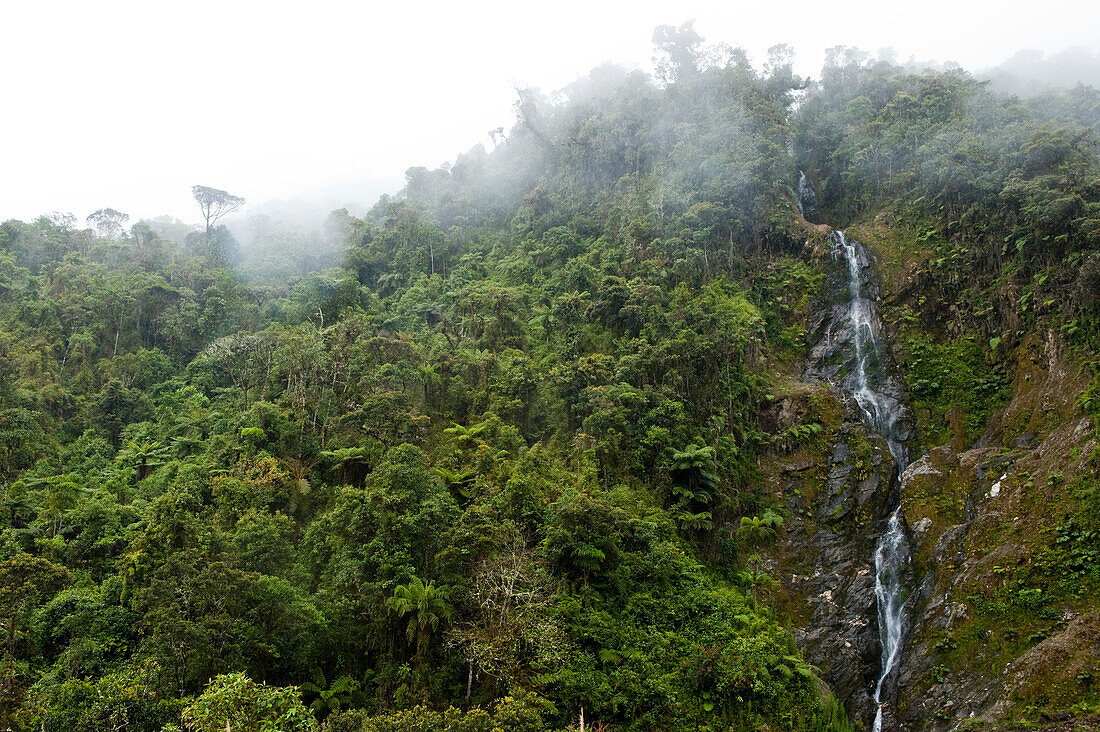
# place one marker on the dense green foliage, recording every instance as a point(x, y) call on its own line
point(986, 210)
point(1001, 197)
point(502, 461)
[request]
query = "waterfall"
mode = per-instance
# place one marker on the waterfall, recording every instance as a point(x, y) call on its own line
point(891, 555)
point(881, 410)
point(849, 352)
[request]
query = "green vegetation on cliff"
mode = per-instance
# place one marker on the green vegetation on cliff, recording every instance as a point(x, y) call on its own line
point(503, 461)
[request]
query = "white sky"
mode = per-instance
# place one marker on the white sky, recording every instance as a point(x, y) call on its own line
point(128, 104)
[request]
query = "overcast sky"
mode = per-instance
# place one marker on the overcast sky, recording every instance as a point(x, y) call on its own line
point(128, 104)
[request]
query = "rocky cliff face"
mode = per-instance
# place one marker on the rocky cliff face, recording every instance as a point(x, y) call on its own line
point(826, 563)
point(839, 499)
point(1001, 623)
point(992, 632)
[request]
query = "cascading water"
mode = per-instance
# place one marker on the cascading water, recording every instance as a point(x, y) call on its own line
point(867, 383)
point(881, 411)
point(891, 555)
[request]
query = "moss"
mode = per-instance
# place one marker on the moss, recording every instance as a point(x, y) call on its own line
point(784, 295)
point(899, 248)
point(955, 386)
point(862, 454)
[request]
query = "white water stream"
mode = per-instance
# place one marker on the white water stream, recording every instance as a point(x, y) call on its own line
point(884, 414)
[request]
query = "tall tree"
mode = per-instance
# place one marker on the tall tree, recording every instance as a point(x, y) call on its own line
point(108, 222)
point(678, 51)
point(215, 203)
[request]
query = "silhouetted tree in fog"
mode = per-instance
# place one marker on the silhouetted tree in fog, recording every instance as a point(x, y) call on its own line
point(215, 204)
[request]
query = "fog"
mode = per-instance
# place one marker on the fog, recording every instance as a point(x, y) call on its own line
point(129, 104)
point(1029, 72)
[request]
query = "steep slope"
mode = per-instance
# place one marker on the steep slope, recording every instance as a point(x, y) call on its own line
point(502, 460)
point(1005, 580)
point(1001, 595)
point(587, 422)
point(833, 547)
point(982, 219)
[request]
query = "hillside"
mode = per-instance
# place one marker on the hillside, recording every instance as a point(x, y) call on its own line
point(566, 427)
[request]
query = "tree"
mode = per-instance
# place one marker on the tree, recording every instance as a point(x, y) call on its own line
point(693, 473)
point(237, 703)
point(680, 49)
point(694, 484)
point(24, 582)
point(193, 606)
point(426, 604)
point(348, 457)
point(20, 439)
point(330, 698)
point(58, 495)
point(756, 532)
point(511, 596)
point(759, 530)
point(116, 406)
point(108, 222)
point(243, 357)
point(215, 204)
point(144, 455)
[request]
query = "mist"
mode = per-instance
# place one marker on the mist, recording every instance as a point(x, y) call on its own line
point(128, 105)
point(1029, 71)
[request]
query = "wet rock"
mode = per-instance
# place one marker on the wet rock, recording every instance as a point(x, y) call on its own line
point(828, 554)
point(921, 527)
point(806, 199)
point(1084, 427)
point(831, 550)
point(802, 460)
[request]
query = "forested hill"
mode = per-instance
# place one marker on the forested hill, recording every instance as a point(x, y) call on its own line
point(527, 448)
